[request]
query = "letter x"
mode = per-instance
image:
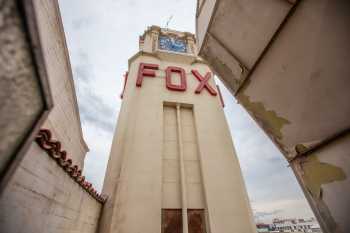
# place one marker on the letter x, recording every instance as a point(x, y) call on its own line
point(203, 83)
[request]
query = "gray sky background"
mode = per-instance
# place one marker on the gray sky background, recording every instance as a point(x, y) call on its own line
point(101, 36)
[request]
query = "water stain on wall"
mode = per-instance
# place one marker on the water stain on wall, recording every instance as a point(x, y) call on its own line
point(315, 174)
point(318, 173)
point(268, 119)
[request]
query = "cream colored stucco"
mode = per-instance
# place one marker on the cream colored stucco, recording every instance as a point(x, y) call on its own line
point(40, 196)
point(136, 166)
point(64, 120)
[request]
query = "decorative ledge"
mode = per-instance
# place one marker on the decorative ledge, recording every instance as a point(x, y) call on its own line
point(53, 149)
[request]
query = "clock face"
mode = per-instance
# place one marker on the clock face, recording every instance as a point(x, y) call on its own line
point(172, 44)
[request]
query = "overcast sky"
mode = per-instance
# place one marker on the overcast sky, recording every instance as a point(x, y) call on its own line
point(101, 36)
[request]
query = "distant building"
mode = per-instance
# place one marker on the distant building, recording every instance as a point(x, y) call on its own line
point(296, 225)
point(262, 227)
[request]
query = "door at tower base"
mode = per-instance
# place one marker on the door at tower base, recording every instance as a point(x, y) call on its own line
point(196, 221)
point(172, 167)
point(172, 221)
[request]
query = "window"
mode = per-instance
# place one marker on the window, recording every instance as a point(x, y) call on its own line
point(171, 221)
point(196, 221)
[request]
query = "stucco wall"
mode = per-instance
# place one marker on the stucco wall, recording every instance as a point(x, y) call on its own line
point(64, 120)
point(41, 198)
point(136, 171)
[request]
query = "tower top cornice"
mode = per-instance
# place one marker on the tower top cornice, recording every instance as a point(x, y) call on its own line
point(159, 40)
point(166, 31)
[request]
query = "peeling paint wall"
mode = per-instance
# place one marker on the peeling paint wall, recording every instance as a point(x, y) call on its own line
point(324, 176)
point(306, 82)
point(296, 86)
point(296, 89)
point(316, 173)
point(269, 120)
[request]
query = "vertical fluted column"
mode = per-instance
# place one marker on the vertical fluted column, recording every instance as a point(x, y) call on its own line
point(182, 172)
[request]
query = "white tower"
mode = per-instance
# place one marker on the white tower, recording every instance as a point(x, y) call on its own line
point(173, 168)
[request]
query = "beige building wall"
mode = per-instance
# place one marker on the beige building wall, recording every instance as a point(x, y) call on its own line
point(172, 150)
point(41, 198)
point(64, 120)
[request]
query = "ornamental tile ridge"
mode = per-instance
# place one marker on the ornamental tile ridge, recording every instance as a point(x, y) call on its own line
point(53, 149)
point(166, 31)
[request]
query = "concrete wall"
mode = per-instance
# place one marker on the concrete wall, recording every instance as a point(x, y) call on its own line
point(24, 92)
point(324, 176)
point(143, 161)
point(39, 195)
point(42, 198)
point(287, 63)
point(64, 120)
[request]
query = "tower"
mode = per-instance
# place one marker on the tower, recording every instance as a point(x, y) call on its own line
point(173, 166)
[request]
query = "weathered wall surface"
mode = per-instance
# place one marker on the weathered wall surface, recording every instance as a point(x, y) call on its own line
point(24, 94)
point(41, 198)
point(64, 120)
point(324, 175)
point(288, 64)
point(295, 88)
point(308, 77)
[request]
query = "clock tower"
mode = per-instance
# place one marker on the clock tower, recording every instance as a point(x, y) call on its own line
point(173, 167)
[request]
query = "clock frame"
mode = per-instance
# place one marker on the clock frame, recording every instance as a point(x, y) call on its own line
point(172, 44)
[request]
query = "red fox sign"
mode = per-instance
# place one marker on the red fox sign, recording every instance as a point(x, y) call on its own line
point(148, 70)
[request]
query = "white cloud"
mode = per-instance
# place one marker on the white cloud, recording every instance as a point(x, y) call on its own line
point(284, 208)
